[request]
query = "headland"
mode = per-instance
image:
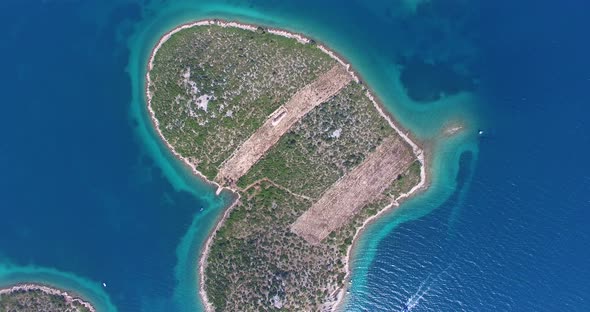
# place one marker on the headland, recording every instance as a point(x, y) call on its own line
point(36, 297)
point(286, 124)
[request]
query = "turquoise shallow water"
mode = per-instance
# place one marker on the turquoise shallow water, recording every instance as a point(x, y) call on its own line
point(90, 195)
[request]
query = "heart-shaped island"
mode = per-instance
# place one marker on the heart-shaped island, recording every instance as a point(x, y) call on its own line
point(284, 123)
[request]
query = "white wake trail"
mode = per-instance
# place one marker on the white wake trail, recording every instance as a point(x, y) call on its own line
point(413, 301)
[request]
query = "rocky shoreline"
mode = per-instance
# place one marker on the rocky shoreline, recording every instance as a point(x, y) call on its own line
point(69, 298)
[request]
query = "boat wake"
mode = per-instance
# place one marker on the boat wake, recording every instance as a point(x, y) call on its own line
point(423, 289)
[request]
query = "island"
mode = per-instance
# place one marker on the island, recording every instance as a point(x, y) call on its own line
point(34, 298)
point(311, 155)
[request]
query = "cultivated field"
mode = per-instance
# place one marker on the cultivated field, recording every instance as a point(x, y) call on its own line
point(281, 121)
point(355, 190)
point(327, 143)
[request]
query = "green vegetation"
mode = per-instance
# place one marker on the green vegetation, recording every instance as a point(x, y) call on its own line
point(406, 181)
point(213, 87)
point(255, 262)
point(327, 143)
point(37, 300)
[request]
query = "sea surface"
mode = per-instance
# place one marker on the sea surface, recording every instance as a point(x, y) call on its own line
point(89, 195)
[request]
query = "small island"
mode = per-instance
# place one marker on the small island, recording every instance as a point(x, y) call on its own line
point(312, 156)
point(35, 298)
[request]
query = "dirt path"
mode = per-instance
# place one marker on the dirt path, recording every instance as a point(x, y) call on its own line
point(257, 182)
point(280, 122)
point(358, 188)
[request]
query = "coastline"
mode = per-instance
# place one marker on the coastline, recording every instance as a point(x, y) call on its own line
point(48, 290)
point(406, 136)
point(205, 252)
point(420, 187)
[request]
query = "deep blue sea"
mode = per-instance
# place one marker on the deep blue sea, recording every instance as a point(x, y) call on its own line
point(89, 195)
